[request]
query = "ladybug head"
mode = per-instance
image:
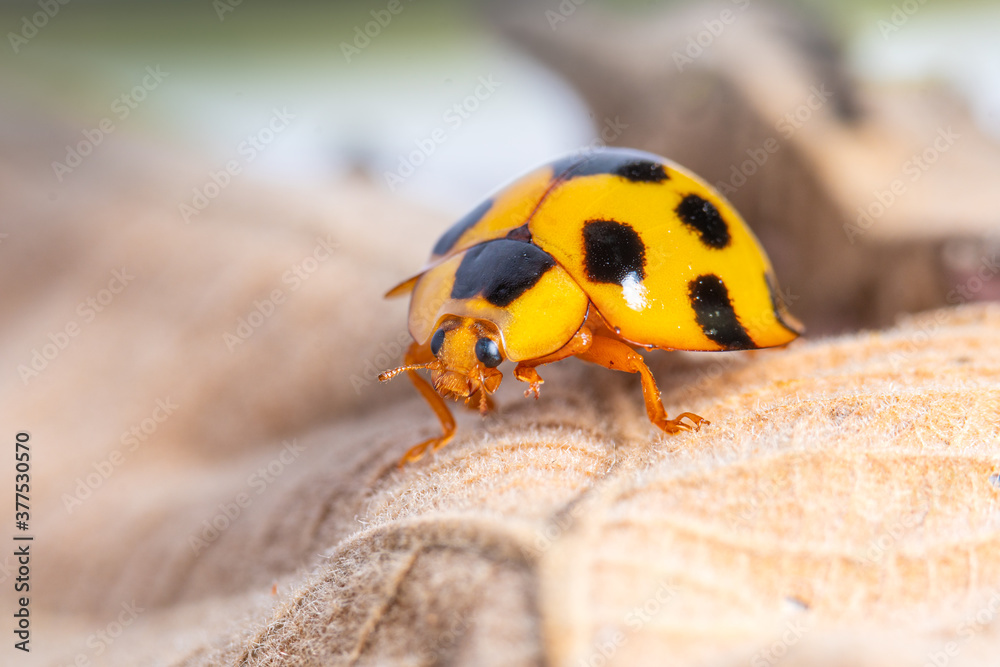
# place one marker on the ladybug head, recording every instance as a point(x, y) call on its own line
point(466, 353)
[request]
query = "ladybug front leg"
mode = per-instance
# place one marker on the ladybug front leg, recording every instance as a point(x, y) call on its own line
point(525, 370)
point(618, 356)
point(417, 355)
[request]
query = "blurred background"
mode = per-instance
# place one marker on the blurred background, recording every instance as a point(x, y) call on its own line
point(437, 103)
point(361, 102)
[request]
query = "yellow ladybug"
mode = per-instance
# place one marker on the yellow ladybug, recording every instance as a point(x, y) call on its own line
point(590, 256)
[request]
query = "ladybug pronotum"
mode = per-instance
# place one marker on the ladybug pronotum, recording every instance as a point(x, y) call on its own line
point(590, 256)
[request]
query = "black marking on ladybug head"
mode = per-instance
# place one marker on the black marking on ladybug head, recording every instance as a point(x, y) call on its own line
point(632, 165)
point(612, 251)
point(450, 237)
point(488, 352)
point(500, 271)
point(702, 217)
point(715, 314)
point(437, 340)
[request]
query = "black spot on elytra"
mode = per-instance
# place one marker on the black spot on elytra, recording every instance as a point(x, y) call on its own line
point(632, 165)
point(500, 271)
point(611, 251)
point(450, 237)
point(702, 217)
point(642, 171)
point(715, 315)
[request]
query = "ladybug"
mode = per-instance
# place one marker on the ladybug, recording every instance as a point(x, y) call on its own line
point(593, 256)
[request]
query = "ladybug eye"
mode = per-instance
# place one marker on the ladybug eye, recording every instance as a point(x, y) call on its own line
point(488, 353)
point(437, 341)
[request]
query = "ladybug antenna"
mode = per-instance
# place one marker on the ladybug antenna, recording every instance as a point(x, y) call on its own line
point(385, 376)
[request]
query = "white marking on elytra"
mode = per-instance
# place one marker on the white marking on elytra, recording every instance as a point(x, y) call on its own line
point(634, 291)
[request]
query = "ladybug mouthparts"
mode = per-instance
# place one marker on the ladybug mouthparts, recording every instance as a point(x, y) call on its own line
point(453, 384)
point(467, 385)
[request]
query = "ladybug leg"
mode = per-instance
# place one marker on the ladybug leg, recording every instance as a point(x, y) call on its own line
point(525, 370)
point(416, 355)
point(618, 356)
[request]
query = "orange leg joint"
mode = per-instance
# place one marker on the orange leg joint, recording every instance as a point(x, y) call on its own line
point(525, 370)
point(618, 356)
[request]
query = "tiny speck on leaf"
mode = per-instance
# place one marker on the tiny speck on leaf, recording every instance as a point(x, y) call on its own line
point(794, 605)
